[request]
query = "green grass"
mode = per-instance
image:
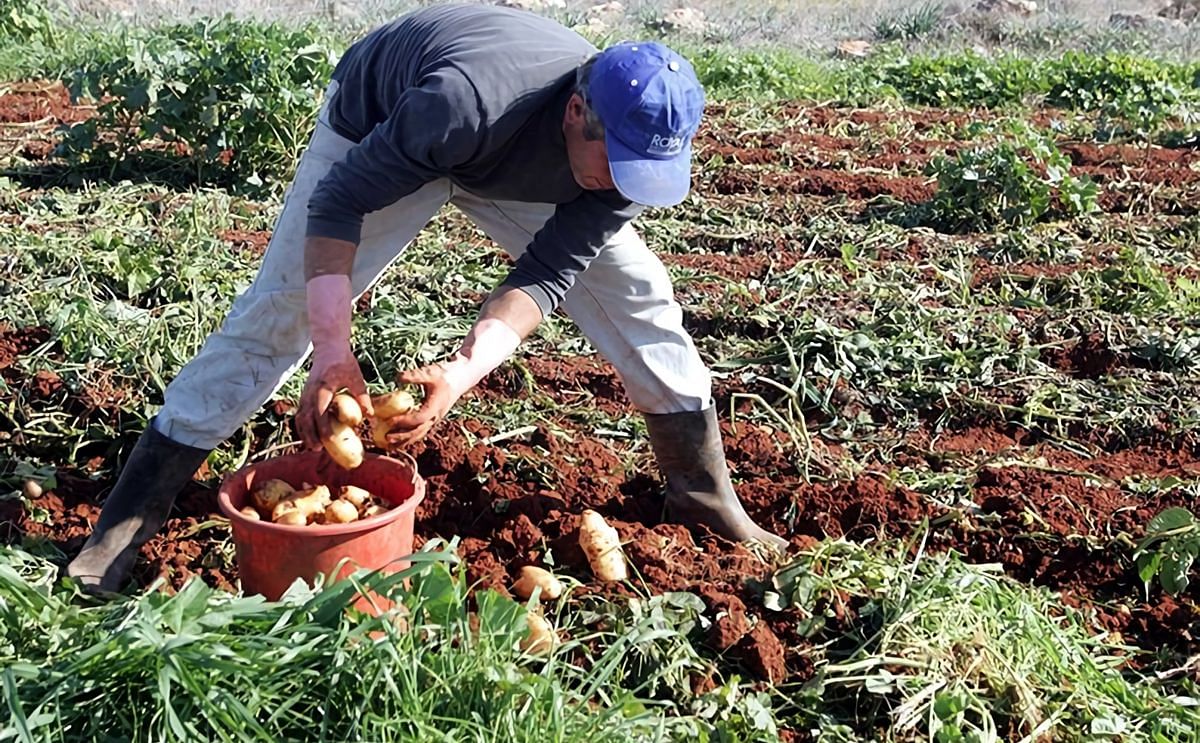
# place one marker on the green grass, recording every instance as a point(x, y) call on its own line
point(936, 650)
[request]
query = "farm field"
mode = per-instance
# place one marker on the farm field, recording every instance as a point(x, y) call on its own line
point(956, 355)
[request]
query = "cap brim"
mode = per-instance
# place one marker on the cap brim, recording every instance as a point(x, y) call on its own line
point(646, 181)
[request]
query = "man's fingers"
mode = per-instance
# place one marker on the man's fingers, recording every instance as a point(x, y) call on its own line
point(410, 437)
point(304, 419)
point(302, 429)
point(364, 402)
point(357, 387)
point(324, 397)
point(432, 409)
point(322, 424)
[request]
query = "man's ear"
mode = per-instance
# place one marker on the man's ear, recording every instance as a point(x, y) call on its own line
point(574, 112)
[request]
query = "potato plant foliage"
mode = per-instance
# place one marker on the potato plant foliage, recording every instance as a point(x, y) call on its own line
point(1013, 182)
point(225, 101)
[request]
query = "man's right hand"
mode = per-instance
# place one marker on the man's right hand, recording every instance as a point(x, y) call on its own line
point(332, 372)
point(334, 367)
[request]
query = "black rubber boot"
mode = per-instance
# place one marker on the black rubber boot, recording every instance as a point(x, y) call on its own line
point(699, 492)
point(138, 506)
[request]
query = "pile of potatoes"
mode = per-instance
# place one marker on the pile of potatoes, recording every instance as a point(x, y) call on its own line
point(278, 502)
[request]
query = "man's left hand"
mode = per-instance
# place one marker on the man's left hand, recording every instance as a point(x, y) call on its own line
point(440, 396)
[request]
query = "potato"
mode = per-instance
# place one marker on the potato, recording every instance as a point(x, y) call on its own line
point(344, 446)
point(266, 496)
point(355, 495)
point(541, 639)
point(379, 432)
point(251, 513)
point(340, 512)
point(31, 489)
point(602, 545)
point(535, 577)
point(393, 404)
point(308, 502)
point(292, 518)
point(346, 409)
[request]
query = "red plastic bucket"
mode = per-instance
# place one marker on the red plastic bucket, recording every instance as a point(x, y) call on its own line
point(271, 557)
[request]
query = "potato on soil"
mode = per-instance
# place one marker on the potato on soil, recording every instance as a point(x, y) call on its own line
point(541, 639)
point(266, 496)
point(340, 512)
point(31, 489)
point(534, 577)
point(346, 409)
point(308, 503)
point(602, 545)
point(344, 446)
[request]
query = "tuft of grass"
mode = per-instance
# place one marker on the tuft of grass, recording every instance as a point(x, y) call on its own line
point(907, 24)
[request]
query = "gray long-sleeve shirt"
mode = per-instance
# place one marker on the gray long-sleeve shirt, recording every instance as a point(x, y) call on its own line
point(475, 94)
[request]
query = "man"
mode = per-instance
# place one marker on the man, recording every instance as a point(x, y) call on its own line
point(550, 148)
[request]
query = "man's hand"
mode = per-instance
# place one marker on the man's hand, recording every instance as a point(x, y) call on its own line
point(507, 317)
point(440, 396)
point(334, 367)
point(331, 373)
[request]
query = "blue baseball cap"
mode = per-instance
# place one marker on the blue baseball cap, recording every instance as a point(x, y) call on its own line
point(650, 102)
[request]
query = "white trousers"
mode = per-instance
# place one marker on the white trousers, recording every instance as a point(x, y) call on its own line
point(623, 302)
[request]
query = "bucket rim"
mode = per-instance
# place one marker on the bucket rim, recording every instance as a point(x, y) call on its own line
point(322, 530)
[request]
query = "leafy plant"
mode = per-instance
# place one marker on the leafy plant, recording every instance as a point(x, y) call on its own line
point(943, 650)
point(1010, 182)
point(1169, 550)
point(230, 101)
point(204, 664)
point(966, 79)
point(766, 73)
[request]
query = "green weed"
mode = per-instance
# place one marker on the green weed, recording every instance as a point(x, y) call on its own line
point(908, 24)
point(205, 664)
point(1169, 549)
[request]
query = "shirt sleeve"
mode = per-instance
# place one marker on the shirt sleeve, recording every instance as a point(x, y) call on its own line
point(569, 241)
point(434, 127)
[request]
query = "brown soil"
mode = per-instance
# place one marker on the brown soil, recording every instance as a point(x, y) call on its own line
point(15, 342)
point(824, 183)
point(564, 381)
point(26, 103)
point(30, 115)
point(1086, 357)
point(802, 159)
point(253, 241)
